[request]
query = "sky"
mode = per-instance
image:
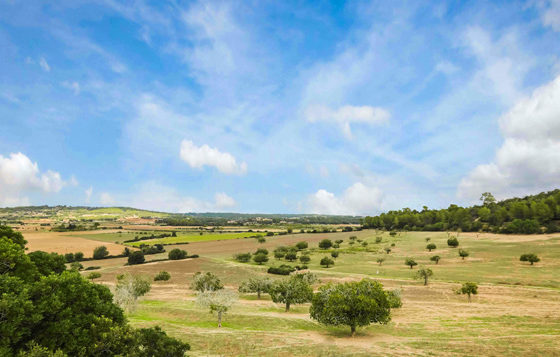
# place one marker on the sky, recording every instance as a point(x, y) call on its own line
point(277, 106)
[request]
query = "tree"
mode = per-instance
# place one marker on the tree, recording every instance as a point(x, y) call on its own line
point(100, 252)
point(93, 275)
point(380, 260)
point(291, 256)
point(487, 199)
point(305, 259)
point(219, 301)
point(128, 289)
point(301, 245)
point(153, 341)
point(469, 289)
point(69, 257)
point(260, 258)
point(293, 290)
point(136, 257)
point(206, 281)
point(15, 236)
point(48, 263)
point(463, 253)
point(78, 256)
point(410, 262)
point(261, 251)
point(162, 276)
point(424, 273)
point(280, 252)
point(351, 304)
point(243, 257)
point(435, 258)
point(453, 242)
point(326, 262)
point(431, 247)
point(387, 250)
point(325, 244)
point(335, 254)
point(177, 254)
point(255, 285)
point(531, 258)
point(394, 298)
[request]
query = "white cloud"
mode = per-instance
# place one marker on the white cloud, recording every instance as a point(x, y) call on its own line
point(88, 193)
point(222, 200)
point(199, 156)
point(357, 199)
point(19, 175)
point(44, 64)
point(106, 199)
point(346, 115)
point(551, 14)
point(529, 159)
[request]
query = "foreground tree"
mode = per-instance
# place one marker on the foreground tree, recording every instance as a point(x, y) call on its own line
point(206, 282)
point(351, 304)
point(294, 290)
point(469, 289)
point(48, 263)
point(424, 273)
point(256, 285)
point(410, 262)
point(531, 258)
point(219, 301)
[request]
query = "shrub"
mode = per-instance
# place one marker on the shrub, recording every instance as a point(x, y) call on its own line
point(431, 247)
point(206, 282)
point(463, 253)
point(281, 270)
point(162, 276)
point(453, 242)
point(177, 254)
point(136, 257)
point(378, 239)
point(387, 250)
point(435, 258)
point(261, 251)
point(394, 298)
point(76, 266)
point(100, 252)
point(260, 258)
point(243, 257)
point(393, 233)
point(325, 244)
point(326, 262)
point(291, 256)
point(531, 258)
point(339, 241)
point(69, 257)
point(301, 245)
point(305, 259)
point(93, 275)
point(410, 262)
point(78, 256)
point(92, 268)
point(262, 239)
point(335, 254)
point(352, 238)
point(380, 260)
point(269, 234)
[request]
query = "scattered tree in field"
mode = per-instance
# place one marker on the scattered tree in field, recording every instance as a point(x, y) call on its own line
point(352, 238)
point(431, 247)
point(100, 252)
point(351, 304)
point(290, 230)
point(453, 242)
point(93, 275)
point(305, 259)
point(261, 251)
point(387, 250)
point(302, 245)
point(364, 244)
point(177, 254)
point(469, 289)
point(410, 262)
point(380, 260)
point(325, 244)
point(531, 258)
point(435, 258)
point(291, 256)
point(339, 241)
point(243, 257)
point(293, 290)
point(206, 281)
point(428, 239)
point(162, 276)
point(128, 289)
point(424, 273)
point(280, 252)
point(463, 253)
point(394, 298)
point(256, 285)
point(335, 254)
point(260, 258)
point(219, 301)
point(263, 239)
point(136, 257)
point(326, 262)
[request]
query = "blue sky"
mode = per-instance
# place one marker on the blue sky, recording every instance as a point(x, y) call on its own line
point(267, 106)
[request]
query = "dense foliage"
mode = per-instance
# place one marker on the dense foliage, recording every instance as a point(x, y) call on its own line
point(532, 214)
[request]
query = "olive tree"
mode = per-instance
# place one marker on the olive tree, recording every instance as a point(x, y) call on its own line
point(469, 289)
point(301, 245)
point(326, 262)
point(325, 244)
point(128, 289)
point(219, 301)
point(387, 250)
point(531, 258)
point(294, 290)
point(453, 242)
point(351, 304)
point(424, 273)
point(435, 258)
point(291, 256)
point(257, 285)
point(335, 254)
point(260, 258)
point(410, 262)
point(380, 260)
point(206, 282)
point(431, 247)
point(100, 252)
point(463, 253)
point(305, 259)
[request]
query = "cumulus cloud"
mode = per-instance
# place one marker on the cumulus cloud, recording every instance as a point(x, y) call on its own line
point(199, 156)
point(346, 115)
point(19, 176)
point(357, 199)
point(529, 158)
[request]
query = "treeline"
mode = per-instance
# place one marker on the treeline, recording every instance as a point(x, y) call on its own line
point(528, 215)
point(238, 219)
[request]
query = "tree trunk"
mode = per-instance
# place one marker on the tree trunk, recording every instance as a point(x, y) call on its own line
point(259, 294)
point(219, 319)
point(287, 306)
point(425, 280)
point(353, 330)
point(469, 295)
point(531, 263)
point(411, 267)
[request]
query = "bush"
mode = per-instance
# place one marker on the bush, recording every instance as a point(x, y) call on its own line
point(136, 257)
point(79, 256)
point(431, 247)
point(378, 239)
point(301, 245)
point(269, 234)
point(243, 257)
point(326, 262)
point(281, 270)
point(93, 275)
point(453, 242)
point(260, 258)
point(531, 258)
point(177, 254)
point(291, 256)
point(394, 298)
point(335, 254)
point(69, 257)
point(261, 251)
point(91, 267)
point(305, 259)
point(100, 252)
point(325, 244)
point(162, 276)
point(463, 253)
point(76, 266)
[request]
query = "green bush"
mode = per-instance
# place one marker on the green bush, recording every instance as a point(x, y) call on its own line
point(100, 252)
point(162, 276)
point(281, 270)
point(243, 257)
point(177, 254)
point(136, 257)
point(453, 242)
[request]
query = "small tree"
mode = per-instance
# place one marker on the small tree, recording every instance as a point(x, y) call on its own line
point(453, 242)
point(293, 290)
point(352, 304)
point(76, 266)
point(335, 254)
point(463, 253)
point(325, 244)
point(243, 257)
point(387, 250)
point(206, 282)
point(100, 252)
point(326, 262)
point(291, 256)
point(263, 239)
point(261, 251)
point(256, 285)
point(531, 258)
point(69, 257)
point(339, 241)
point(79, 256)
point(280, 252)
point(380, 260)
point(428, 239)
point(219, 301)
point(410, 262)
point(260, 258)
point(435, 258)
point(162, 276)
point(301, 245)
point(93, 275)
point(136, 257)
point(424, 273)
point(305, 259)
point(177, 254)
point(128, 289)
point(431, 247)
point(469, 289)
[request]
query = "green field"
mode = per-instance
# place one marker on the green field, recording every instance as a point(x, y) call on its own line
point(190, 238)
